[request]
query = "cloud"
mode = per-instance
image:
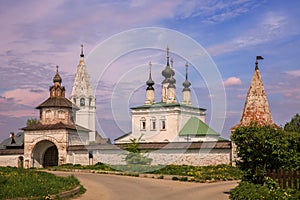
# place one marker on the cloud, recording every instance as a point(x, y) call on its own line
point(232, 81)
point(26, 97)
point(272, 27)
point(295, 73)
point(214, 11)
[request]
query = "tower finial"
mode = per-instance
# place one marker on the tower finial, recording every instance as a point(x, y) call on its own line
point(168, 55)
point(186, 70)
point(81, 55)
point(256, 62)
point(150, 70)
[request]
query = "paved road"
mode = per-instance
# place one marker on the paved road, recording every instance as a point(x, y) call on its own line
point(114, 187)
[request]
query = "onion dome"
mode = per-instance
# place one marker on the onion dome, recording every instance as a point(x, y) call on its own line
point(57, 77)
point(150, 82)
point(167, 72)
point(186, 84)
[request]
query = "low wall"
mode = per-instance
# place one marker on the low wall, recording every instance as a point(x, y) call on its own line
point(13, 157)
point(198, 154)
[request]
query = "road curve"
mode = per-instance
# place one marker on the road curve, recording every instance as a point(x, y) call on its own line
point(114, 187)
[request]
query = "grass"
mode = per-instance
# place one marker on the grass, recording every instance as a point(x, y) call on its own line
point(196, 173)
point(17, 183)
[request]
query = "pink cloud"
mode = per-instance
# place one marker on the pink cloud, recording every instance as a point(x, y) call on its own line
point(26, 97)
point(232, 81)
point(293, 73)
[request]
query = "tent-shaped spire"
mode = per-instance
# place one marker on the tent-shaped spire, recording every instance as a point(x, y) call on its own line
point(256, 108)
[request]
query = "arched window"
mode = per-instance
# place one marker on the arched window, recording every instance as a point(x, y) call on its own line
point(153, 123)
point(48, 114)
point(82, 102)
point(143, 123)
point(163, 125)
point(61, 114)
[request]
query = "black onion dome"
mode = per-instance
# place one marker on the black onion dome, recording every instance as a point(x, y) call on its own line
point(186, 84)
point(57, 77)
point(150, 82)
point(167, 72)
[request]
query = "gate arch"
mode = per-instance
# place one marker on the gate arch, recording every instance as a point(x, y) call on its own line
point(44, 154)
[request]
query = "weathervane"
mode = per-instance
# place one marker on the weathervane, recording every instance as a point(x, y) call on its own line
point(256, 62)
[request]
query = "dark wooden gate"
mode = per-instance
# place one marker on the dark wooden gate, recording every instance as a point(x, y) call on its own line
point(51, 157)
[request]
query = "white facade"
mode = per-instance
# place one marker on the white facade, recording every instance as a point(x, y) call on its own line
point(163, 121)
point(84, 98)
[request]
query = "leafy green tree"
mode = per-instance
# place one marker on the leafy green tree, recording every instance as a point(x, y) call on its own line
point(293, 125)
point(262, 148)
point(135, 155)
point(32, 121)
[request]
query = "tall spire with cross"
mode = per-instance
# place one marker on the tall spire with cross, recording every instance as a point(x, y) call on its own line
point(256, 108)
point(83, 96)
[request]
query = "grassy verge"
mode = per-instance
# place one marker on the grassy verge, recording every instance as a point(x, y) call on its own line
point(194, 173)
point(16, 183)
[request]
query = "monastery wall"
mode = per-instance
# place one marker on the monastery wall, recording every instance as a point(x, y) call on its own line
point(10, 160)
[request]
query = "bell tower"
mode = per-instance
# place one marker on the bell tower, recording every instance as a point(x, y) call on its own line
point(83, 96)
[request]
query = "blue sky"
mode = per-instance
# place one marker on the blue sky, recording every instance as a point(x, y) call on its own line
point(38, 35)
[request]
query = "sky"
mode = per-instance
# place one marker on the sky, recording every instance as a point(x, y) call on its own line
point(38, 35)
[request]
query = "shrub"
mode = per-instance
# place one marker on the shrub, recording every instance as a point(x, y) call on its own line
point(262, 148)
point(269, 190)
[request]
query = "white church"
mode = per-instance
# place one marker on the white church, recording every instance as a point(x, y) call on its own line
point(168, 120)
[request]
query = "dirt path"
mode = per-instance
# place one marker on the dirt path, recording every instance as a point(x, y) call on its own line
point(113, 187)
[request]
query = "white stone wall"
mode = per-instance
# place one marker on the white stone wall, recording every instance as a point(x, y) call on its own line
point(10, 160)
point(191, 157)
point(196, 157)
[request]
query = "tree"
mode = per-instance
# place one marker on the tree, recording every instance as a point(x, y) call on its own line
point(293, 125)
point(134, 154)
point(262, 148)
point(32, 121)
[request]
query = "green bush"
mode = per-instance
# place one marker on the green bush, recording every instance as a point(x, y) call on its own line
point(262, 148)
point(270, 190)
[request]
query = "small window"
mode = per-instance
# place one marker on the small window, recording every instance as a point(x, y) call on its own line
point(153, 124)
point(48, 114)
point(61, 114)
point(90, 101)
point(143, 124)
point(74, 100)
point(82, 102)
point(163, 125)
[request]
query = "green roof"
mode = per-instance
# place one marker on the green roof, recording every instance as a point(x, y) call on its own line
point(196, 127)
point(163, 104)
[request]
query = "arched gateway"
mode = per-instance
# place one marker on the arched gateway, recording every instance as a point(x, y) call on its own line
point(45, 154)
